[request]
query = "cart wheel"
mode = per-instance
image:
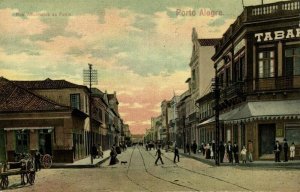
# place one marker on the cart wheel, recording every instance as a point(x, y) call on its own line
point(31, 178)
point(47, 161)
point(4, 182)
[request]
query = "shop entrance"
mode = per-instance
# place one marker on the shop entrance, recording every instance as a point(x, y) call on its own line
point(266, 138)
point(45, 141)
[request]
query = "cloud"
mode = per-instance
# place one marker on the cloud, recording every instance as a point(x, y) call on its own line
point(19, 26)
point(141, 50)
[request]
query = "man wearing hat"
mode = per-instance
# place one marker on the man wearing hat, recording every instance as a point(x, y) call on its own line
point(285, 150)
point(277, 150)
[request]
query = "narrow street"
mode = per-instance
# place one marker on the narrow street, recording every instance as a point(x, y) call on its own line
point(141, 174)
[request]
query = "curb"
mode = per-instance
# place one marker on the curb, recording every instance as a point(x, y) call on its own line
point(57, 165)
point(271, 165)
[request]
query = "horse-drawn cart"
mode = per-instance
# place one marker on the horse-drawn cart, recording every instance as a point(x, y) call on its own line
point(24, 168)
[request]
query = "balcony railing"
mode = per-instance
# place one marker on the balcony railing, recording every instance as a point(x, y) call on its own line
point(236, 89)
point(240, 89)
point(278, 83)
point(260, 12)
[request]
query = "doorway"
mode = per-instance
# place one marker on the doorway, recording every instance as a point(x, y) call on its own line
point(266, 138)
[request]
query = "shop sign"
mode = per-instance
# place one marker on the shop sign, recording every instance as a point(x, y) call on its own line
point(277, 35)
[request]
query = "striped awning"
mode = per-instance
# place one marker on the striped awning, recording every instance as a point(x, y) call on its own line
point(260, 110)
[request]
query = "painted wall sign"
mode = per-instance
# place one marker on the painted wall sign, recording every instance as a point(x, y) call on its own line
point(277, 35)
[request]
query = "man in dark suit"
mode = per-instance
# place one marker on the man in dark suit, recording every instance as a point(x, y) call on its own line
point(285, 150)
point(277, 150)
point(222, 151)
point(235, 150)
point(229, 152)
point(158, 153)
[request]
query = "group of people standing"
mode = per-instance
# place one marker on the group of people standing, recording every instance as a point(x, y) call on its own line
point(228, 152)
point(286, 149)
point(96, 151)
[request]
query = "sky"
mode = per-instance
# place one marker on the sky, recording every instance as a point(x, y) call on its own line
point(140, 48)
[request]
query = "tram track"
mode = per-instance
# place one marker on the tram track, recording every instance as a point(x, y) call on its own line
point(203, 174)
point(206, 175)
point(162, 179)
point(130, 178)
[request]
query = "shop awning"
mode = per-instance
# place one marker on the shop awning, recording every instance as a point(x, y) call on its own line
point(260, 110)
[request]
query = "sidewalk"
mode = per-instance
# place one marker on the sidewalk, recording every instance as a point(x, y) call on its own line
point(84, 163)
point(259, 163)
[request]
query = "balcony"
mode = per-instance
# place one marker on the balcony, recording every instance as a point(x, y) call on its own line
point(259, 13)
point(241, 89)
point(277, 83)
point(234, 90)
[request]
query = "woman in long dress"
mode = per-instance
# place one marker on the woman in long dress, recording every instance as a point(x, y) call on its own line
point(113, 156)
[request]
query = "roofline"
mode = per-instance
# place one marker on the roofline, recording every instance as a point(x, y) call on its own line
point(36, 95)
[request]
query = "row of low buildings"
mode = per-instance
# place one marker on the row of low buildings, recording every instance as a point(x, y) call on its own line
point(257, 63)
point(53, 116)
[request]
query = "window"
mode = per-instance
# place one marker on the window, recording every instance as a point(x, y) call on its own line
point(22, 141)
point(194, 80)
point(239, 69)
point(266, 64)
point(227, 71)
point(75, 101)
point(292, 61)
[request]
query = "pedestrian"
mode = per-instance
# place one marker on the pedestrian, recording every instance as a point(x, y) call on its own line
point(244, 154)
point(176, 154)
point(222, 151)
point(203, 149)
point(229, 152)
point(235, 150)
point(113, 156)
point(37, 160)
point(211, 151)
point(100, 152)
point(250, 150)
point(194, 147)
point(277, 150)
point(285, 150)
point(292, 151)
point(213, 147)
point(158, 153)
point(187, 146)
point(94, 151)
point(207, 151)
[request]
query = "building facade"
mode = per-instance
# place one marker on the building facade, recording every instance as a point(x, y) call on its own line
point(258, 66)
point(53, 116)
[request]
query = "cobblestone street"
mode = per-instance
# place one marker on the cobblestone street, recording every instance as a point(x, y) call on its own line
point(141, 174)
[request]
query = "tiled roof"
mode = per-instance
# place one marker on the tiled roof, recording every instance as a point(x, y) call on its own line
point(208, 42)
point(47, 84)
point(14, 98)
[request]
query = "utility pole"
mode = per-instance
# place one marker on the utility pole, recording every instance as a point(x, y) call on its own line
point(217, 113)
point(90, 77)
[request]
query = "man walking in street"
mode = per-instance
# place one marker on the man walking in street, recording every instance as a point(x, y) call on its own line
point(158, 153)
point(176, 154)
